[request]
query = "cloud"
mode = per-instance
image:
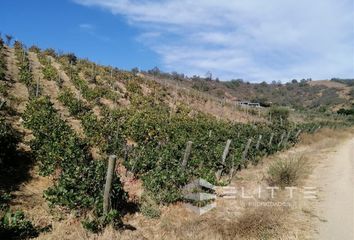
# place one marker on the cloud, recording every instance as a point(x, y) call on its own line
point(86, 26)
point(91, 29)
point(256, 40)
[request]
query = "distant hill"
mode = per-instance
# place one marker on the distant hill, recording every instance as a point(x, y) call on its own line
point(324, 95)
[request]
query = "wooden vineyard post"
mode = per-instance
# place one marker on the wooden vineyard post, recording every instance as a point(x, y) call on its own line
point(287, 138)
point(107, 187)
point(2, 103)
point(23, 55)
point(58, 82)
point(187, 153)
point(298, 133)
point(271, 140)
point(71, 71)
point(245, 151)
point(126, 156)
point(281, 139)
point(37, 87)
point(223, 159)
point(259, 142)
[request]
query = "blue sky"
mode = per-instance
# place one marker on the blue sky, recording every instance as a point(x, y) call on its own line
point(70, 27)
point(251, 39)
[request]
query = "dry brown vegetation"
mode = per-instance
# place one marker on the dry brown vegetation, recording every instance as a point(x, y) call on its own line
point(287, 172)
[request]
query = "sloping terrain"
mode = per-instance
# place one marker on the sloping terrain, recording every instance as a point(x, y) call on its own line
point(71, 114)
point(329, 95)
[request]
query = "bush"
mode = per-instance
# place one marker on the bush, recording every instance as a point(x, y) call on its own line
point(4, 200)
point(14, 225)
point(149, 207)
point(287, 172)
point(279, 113)
point(9, 139)
point(76, 107)
point(96, 225)
point(25, 74)
point(2, 63)
point(343, 111)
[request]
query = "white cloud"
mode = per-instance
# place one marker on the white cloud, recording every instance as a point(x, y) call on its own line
point(86, 26)
point(92, 30)
point(253, 39)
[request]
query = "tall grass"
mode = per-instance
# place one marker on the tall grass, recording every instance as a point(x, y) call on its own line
point(287, 172)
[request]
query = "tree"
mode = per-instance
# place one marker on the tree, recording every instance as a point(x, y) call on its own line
point(176, 76)
point(135, 70)
point(35, 49)
point(50, 52)
point(279, 114)
point(263, 84)
point(303, 82)
point(208, 76)
point(8, 39)
point(71, 57)
point(155, 71)
point(351, 93)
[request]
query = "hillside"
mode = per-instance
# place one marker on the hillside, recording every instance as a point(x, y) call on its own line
point(329, 95)
point(63, 117)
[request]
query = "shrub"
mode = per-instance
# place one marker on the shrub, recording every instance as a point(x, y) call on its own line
point(76, 107)
point(149, 207)
point(25, 74)
point(287, 172)
point(343, 111)
point(9, 139)
point(4, 200)
point(96, 225)
point(14, 225)
point(2, 64)
point(279, 113)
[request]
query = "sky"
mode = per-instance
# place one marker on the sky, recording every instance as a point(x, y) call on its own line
point(255, 40)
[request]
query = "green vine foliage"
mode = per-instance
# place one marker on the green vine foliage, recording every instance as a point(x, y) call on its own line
point(76, 107)
point(56, 147)
point(9, 139)
point(49, 72)
point(160, 135)
point(25, 74)
point(14, 225)
point(2, 61)
point(161, 138)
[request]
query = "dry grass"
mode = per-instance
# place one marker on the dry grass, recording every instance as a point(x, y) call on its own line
point(287, 172)
point(256, 223)
point(326, 135)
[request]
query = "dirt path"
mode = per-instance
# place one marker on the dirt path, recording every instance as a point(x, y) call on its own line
point(336, 184)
